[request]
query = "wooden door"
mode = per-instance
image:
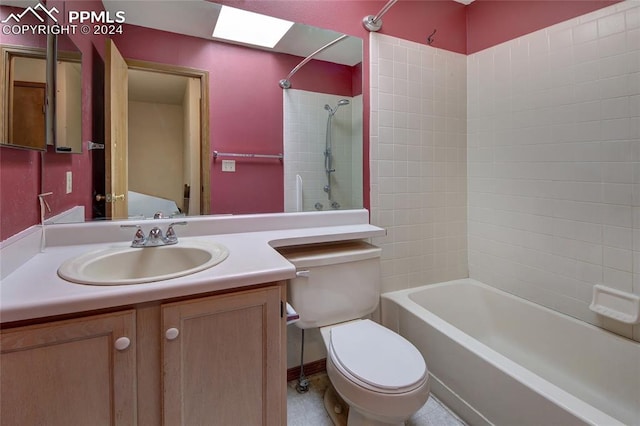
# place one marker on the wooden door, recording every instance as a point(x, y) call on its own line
point(116, 132)
point(70, 372)
point(222, 360)
point(27, 115)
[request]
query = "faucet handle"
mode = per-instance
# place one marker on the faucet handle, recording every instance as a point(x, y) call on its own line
point(139, 239)
point(171, 236)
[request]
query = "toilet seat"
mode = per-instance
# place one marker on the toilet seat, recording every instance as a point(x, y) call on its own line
point(376, 358)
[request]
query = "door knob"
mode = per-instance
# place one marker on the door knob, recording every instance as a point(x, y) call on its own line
point(110, 198)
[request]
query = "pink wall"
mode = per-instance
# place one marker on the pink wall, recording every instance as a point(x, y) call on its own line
point(491, 22)
point(408, 19)
point(464, 29)
point(19, 184)
point(20, 169)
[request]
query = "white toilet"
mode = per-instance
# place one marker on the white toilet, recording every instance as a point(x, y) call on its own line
point(380, 374)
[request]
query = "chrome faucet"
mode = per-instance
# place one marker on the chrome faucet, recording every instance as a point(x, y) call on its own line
point(155, 237)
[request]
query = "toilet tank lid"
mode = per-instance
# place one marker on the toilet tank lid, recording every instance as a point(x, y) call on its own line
point(329, 253)
point(377, 356)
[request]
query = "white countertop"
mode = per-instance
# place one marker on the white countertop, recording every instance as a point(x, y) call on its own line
point(34, 289)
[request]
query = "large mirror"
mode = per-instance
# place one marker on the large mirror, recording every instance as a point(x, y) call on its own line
point(270, 150)
point(249, 114)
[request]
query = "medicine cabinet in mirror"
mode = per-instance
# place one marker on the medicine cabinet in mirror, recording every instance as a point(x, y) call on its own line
point(41, 96)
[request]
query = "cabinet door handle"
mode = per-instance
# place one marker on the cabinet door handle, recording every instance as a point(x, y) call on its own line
point(122, 343)
point(171, 333)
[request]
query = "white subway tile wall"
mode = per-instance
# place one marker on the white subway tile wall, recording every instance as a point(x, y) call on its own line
point(418, 161)
point(554, 162)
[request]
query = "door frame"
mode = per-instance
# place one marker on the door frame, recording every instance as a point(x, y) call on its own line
point(203, 76)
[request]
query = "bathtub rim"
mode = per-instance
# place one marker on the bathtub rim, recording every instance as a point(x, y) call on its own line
point(553, 393)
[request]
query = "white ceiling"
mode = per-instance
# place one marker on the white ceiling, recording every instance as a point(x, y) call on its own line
point(197, 18)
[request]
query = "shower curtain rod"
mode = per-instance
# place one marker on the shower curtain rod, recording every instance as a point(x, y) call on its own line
point(286, 84)
point(374, 23)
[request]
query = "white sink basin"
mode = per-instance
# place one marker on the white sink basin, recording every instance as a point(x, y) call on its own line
point(127, 265)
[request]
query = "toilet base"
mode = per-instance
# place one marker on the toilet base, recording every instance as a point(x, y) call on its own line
point(341, 414)
point(391, 409)
point(336, 408)
point(357, 419)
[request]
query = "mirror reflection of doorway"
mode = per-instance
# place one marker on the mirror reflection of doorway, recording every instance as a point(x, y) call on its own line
point(156, 155)
point(164, 144)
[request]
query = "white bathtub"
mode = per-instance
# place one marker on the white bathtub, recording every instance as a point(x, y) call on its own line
point(499, 359)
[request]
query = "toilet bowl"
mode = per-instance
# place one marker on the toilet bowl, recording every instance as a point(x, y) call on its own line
point(380, 374)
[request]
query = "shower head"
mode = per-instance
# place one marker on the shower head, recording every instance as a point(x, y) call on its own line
point(341, 102)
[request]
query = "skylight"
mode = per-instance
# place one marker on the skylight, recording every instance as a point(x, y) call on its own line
point(250, 28)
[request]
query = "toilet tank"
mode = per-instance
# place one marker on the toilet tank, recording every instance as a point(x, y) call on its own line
point(335, 282)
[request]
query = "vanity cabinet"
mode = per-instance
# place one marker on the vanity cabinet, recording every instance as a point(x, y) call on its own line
point(212, 360)
point(74, 372)
point(225, 353)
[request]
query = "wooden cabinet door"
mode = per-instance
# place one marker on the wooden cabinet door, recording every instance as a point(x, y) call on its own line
point(222, 360)
point(70, 372)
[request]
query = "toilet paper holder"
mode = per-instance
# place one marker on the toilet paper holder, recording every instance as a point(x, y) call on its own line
point(292, 315)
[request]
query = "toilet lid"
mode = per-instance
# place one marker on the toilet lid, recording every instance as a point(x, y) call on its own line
point(377, 356)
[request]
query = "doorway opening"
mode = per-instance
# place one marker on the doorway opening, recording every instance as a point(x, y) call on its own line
point(156, 139)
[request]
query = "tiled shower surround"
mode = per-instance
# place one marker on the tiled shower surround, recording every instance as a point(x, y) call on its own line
point(304, 140)
point(554, 153)
point(418, 161)
point(547, 166)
